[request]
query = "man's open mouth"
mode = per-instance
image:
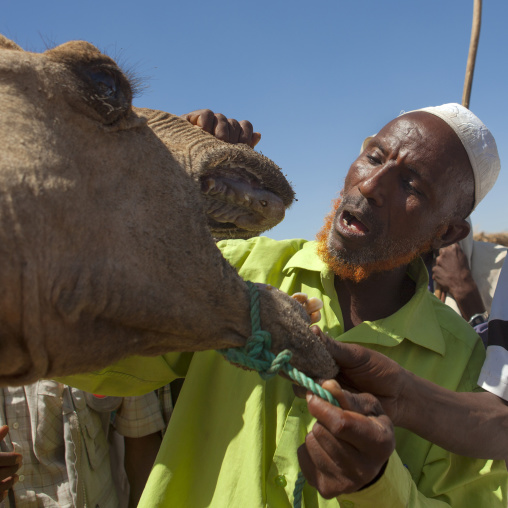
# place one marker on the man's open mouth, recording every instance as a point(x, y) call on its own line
point(351, 224)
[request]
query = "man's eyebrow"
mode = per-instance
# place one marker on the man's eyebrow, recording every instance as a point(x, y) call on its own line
point(415, 172)
point(374, 143)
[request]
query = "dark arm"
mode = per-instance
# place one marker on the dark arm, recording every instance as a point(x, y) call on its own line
point(451, 271)
point(470, 424)
point(140, 453)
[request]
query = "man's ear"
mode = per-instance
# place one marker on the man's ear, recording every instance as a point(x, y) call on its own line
point(456, 230)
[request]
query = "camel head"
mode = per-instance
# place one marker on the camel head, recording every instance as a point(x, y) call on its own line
point(105, 251)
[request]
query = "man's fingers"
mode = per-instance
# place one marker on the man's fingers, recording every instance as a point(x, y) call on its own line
point(363, 403)
point(248, 136)
point(317, 466)
point(301, 298)
point(313, 305)
point(326, 469)
point(221, 127)
point(203, 118)
point(206, 120)
point(234, 131)
point(330, 444)
point(4, 430)
point(9, 459)
point(7, 471)
point(256, 138)
point(246, 133)
point(310, 304)
point(359, 430)
point(7, 484)
point(225, 129)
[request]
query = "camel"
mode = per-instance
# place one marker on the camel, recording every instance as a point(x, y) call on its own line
point(105, 218)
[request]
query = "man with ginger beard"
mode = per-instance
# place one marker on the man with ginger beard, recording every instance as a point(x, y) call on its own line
point(233, 437)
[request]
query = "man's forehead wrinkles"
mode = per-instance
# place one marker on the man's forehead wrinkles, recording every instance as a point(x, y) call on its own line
point(403, 131)
point(413, 130)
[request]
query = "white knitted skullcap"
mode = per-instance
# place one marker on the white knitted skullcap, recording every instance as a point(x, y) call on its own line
point(478, 141)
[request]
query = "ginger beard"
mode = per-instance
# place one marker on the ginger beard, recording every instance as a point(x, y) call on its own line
point(395, 254)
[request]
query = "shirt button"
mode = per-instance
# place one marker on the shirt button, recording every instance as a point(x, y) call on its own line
point(15, 425)
point(21, 477)
point(346, 504)
point(280, 481)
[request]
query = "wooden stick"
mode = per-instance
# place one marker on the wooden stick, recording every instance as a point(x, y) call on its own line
point(468, 82)
point(473, 48)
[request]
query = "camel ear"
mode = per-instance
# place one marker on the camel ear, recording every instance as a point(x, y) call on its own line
point(456, 230)
point(8, 44)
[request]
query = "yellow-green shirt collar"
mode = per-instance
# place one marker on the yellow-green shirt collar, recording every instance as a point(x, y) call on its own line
point(415, 321)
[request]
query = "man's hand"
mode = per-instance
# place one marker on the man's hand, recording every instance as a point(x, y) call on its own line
point(451, 271)
point(349, 446)
point(9, 464)
point(225, 129)
point(312, 306)
point(364, 370)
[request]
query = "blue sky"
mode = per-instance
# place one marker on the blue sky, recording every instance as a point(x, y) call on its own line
point(314, 78)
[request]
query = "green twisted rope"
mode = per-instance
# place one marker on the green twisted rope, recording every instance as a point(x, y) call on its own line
point(256, 355)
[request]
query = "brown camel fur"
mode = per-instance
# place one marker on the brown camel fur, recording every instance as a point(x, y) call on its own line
point(104, 250)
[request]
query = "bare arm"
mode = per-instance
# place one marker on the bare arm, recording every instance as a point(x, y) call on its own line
point(453, 274)
point(470, 424)
point(140, 453)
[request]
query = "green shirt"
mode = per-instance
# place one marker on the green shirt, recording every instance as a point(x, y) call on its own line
point(233, 437)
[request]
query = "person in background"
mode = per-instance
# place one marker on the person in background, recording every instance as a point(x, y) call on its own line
point(58, 439)
point(466, 274)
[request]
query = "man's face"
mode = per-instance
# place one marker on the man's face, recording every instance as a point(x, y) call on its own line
point(398, 194)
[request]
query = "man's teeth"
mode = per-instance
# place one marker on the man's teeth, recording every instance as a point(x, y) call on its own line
point(347, 219)
point(352, 223)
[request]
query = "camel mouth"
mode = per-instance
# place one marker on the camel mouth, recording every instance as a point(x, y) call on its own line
point(235, 198)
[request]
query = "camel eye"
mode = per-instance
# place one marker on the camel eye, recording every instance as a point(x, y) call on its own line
point(107, 91)
point(105, 83)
